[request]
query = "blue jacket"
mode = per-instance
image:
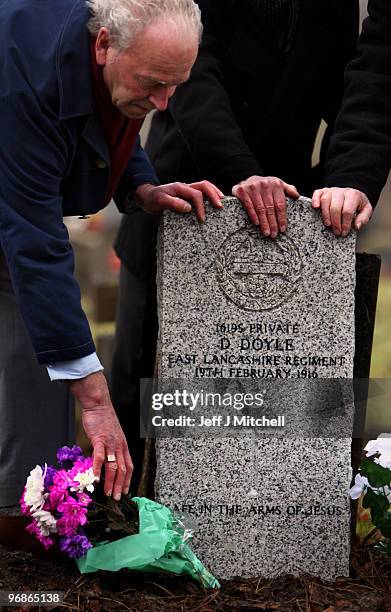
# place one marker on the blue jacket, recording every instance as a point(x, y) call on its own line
point(54, 161)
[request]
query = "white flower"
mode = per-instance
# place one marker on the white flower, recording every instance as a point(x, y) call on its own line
point(85, 480)
point(33, 496)
point(384, 460)
point(378, 446)
point(46, 521)
point(382, 446)
point(360, 484)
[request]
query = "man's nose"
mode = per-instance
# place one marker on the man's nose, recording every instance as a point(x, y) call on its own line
point(160, 98)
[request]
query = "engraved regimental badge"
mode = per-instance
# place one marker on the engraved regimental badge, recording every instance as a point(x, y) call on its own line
point(258, 273)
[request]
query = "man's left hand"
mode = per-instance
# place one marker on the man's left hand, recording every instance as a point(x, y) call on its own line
point(179, 197)
point(342, 208)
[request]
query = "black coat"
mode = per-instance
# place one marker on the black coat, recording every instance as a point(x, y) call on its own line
point(250, 108)
point(360, 151)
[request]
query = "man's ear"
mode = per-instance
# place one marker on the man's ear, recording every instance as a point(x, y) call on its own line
point(101, 46)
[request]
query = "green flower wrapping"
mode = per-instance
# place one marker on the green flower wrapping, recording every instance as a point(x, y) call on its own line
point(160, 545)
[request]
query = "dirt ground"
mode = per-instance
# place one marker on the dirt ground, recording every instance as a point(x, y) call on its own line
point(368, 590)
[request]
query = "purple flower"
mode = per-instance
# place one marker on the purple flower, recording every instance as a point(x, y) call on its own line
point(75, 546)
point(65, 453)
point(73, 515)
point(50, 472)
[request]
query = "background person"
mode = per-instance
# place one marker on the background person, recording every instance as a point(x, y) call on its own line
point(267, 73)
point(359, 158)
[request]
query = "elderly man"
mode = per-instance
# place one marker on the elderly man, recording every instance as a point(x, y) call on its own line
point(76, 81)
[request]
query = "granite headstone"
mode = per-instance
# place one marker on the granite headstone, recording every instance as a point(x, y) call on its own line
point(236, 305)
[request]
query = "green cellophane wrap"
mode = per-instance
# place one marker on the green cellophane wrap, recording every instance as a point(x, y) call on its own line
point(160, 545)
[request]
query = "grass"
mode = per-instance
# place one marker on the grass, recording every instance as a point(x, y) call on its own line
point(378, 417)
point(381, 351)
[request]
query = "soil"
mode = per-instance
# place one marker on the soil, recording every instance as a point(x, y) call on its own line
point(368, 589)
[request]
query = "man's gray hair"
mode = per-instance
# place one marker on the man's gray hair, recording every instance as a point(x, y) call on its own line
point(124, 19)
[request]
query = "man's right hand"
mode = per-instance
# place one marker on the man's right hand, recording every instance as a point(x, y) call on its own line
point(177, 197)
point(264, 199)
point(342, 208)
point(102, 427)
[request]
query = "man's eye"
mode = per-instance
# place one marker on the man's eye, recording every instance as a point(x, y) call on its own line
point(150, 84)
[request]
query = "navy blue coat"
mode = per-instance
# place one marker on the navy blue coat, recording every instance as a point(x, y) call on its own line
point(54, 161)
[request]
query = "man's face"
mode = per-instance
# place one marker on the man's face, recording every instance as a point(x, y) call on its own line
point(145, 76)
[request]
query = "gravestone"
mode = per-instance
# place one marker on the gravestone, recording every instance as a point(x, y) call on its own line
point(236, 305)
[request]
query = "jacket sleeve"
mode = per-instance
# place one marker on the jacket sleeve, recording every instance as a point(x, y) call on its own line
point(360, 149)
point(33, 158)
point(348, 14)
point(138, 172)
point(224, 156)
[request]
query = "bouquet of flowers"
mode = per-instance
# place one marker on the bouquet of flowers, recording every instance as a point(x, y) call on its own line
point(374, 481)
point(69, 510)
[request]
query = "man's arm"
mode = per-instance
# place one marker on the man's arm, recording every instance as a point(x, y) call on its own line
point(359, 157)
point(75, 369)
point(33, 160)
point(139, 171)
point(139, 187)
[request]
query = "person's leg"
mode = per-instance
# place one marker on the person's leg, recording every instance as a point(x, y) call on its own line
point(134, 356)
point(36, 415)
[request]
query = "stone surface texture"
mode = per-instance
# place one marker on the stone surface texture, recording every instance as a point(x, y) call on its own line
point(279, 504)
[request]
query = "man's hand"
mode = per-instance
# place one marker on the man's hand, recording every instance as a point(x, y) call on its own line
point(177, 197)
point(342, 208)
point(103, 429)
point(264, 199)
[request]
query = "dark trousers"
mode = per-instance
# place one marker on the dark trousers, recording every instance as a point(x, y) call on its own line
point(36, 415)
point(134, 354)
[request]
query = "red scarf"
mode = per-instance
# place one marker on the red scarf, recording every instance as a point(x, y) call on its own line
point(120, 132)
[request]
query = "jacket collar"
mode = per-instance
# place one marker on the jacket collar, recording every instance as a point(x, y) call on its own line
point(75, 78)
point(73, 65)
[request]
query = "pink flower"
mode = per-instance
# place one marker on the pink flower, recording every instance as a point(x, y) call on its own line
point(74, 514)
point(82, 465)
point(84, 499)
point(34, 529)
point(59, 489)
point(62, 480)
